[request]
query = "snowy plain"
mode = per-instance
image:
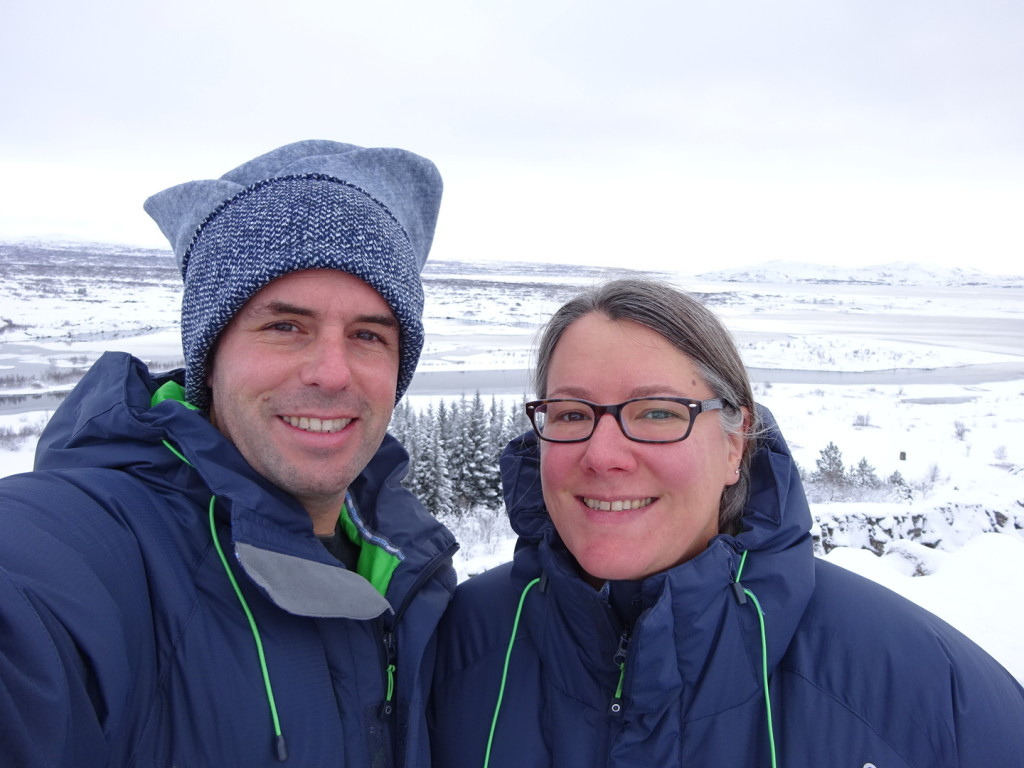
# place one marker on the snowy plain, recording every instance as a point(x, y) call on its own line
point(916, 370)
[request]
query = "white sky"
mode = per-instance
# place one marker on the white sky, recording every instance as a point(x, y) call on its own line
point(649, 134)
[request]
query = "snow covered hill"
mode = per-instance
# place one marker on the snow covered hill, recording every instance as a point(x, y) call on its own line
point(893, 273)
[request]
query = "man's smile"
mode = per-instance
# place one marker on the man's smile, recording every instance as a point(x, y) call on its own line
point(314, 424)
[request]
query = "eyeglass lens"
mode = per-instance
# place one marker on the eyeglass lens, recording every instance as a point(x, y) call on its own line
point(659, 420)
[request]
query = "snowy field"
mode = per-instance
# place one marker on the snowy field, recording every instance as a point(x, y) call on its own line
point(918, 372)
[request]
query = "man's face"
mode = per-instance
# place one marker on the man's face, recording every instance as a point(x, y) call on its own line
point(303, 383)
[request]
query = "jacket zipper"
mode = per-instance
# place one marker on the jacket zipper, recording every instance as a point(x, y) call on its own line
point(389, 651)
point(389, 656)
point(619, 659)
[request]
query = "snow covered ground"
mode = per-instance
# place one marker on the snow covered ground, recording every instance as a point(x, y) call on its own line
point(921, 372)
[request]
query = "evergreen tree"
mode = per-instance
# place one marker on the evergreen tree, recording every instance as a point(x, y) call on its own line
point(496, 426)
point(864, 475)
point(400, 417)
point(455, 449)
point(830, 466)
point(432, 483)
point(445, 429)
point(518, 421)
point(900, 489)
point(481, 462)
point(458, 453)
point(403, 427)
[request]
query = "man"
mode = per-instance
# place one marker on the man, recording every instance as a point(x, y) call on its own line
point(220, 567)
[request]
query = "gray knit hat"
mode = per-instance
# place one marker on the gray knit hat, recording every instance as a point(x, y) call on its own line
point(308, 205)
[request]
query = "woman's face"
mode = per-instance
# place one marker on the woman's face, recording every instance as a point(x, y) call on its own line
point(625, 509)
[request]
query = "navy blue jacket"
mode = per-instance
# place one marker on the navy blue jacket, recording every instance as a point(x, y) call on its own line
point(122, 639)
point(858, 676)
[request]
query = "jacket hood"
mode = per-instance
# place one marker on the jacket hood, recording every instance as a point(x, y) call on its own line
point(109, 421)
point(690, 598)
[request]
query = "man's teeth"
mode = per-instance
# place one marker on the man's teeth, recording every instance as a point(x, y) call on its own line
point(617, 506)
point(313, 424)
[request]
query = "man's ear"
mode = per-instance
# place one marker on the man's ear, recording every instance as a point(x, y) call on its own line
point(211, 360)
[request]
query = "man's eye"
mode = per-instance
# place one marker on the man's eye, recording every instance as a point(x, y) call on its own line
point(282, 326)
point(368, 336)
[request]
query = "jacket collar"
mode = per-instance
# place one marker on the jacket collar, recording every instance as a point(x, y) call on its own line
point(109, 421)
point(692, 626)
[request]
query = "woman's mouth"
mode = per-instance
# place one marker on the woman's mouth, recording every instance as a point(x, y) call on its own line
point(618, 505)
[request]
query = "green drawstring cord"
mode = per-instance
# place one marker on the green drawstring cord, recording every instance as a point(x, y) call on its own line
point(279, 745)
point(618, 691)
point(504, 671)
point(176, 452)
point(280, 749)
point(764, 658)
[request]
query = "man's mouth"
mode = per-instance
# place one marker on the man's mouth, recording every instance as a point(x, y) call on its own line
point(617, 506)
point(313, 424)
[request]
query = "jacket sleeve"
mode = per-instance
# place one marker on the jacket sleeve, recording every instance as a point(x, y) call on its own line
point(889, 669)
point(72, 608)
point(987, 709)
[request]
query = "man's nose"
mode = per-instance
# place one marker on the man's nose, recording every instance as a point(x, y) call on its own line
point(327, 363)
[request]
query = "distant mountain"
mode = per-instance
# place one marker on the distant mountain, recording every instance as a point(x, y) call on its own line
point(895, 273)
point(31, 246)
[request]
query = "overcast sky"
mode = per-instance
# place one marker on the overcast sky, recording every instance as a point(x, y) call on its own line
point(653, 134)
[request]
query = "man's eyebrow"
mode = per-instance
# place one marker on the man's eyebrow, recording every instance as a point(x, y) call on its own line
point(284, 308)
point(385, 320)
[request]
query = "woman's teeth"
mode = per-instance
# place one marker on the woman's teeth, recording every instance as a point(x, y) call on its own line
point(617, 506)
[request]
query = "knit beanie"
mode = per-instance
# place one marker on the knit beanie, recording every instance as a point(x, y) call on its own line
point(308, 205)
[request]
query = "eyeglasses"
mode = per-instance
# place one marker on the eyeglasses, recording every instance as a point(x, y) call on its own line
point(642, 419)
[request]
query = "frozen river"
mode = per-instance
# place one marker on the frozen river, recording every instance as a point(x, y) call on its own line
point(477, 342)
point(516, 381)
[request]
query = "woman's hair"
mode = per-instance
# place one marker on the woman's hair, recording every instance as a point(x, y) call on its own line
point(695, 331)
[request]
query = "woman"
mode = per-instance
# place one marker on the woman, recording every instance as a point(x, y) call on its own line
point(664, 607)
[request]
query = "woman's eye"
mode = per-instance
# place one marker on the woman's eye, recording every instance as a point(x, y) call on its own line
point(660, 414)
point(569, 416)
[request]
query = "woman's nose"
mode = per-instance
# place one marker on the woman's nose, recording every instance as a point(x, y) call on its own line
point(608, 447)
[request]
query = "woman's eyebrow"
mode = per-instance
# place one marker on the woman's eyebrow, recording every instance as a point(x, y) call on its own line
point(648, 390)
point(657, 390)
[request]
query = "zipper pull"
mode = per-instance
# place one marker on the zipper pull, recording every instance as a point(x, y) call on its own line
point(387, 706)
point(620, 661)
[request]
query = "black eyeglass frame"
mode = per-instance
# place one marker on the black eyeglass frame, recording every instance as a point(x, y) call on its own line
point(694, 409)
